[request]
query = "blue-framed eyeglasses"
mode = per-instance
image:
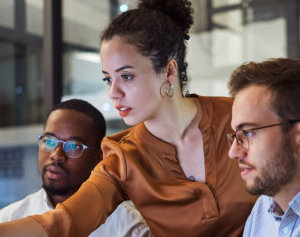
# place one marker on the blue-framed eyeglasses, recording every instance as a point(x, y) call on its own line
point(72, 149)
point(242, 136)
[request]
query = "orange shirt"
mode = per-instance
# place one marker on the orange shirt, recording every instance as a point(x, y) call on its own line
point(145, 169)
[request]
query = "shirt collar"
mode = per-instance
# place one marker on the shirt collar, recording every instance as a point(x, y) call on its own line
point(276, 211)
point(295, 204)
point(46, 199)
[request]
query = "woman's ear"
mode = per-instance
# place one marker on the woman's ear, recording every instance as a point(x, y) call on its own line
point(171, 71)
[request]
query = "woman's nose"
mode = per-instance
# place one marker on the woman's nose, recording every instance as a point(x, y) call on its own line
point(115, 90)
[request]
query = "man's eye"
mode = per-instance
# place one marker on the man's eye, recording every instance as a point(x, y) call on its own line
point(127, 77)
point(50, 143)
point(73, 146)
point(249, 134)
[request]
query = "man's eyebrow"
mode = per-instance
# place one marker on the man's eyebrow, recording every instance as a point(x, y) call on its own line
point(49, 133)
point(243, 125)
point(75, 138)
point(119, 69)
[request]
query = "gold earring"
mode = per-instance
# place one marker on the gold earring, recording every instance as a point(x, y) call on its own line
point(166, 89)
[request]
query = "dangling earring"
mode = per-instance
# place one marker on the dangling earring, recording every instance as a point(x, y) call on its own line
point(171, 92)
point(166, 89)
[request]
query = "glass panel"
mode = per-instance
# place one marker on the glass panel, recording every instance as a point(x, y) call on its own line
point(19, 174)
point(81, 61)
point(82, 72)
point(20, 85)
point(237, 36)
point(84, 30)
point(230, 21)
point(34, 14)
point(35, 85)
point(7, 16)
point(222, 3)
point(21, 99)
point(7, 83)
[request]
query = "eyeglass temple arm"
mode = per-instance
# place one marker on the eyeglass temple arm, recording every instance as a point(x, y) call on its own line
point(294, 121)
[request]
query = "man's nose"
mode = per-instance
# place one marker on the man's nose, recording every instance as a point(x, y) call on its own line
point(58, 154)
point(236, 152)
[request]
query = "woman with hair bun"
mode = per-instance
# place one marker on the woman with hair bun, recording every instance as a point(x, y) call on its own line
point(172, 163)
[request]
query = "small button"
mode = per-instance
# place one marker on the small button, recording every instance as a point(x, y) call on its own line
point(192, 178)
point(285, 230)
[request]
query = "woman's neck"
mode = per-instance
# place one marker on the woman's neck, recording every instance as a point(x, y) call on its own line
point(172, 123)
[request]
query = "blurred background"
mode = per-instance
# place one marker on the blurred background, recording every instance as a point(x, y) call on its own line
point(49, 52)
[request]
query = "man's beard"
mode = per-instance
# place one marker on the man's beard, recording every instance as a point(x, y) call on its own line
point(279, 172)
point(56, 191)
point(51, 189)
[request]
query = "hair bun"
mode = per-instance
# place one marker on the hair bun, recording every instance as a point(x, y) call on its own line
point(179, 10)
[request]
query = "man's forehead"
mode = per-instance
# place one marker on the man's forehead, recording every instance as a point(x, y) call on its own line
point(66, 124)
point(251, 106)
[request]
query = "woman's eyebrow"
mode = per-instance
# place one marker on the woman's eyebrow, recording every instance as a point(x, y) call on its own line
point(119, 69)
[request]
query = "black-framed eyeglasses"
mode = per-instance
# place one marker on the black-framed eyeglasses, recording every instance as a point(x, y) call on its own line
point(72, 149)
point(242, 135)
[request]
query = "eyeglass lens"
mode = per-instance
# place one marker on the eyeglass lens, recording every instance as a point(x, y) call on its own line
point(241, 138)
point(72, 149)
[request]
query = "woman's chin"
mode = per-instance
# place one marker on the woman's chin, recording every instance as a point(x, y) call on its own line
point(130, 122)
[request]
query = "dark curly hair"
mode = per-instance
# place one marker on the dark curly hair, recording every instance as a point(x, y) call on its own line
point(159, 29)
point(89, 110)
point(280, 75)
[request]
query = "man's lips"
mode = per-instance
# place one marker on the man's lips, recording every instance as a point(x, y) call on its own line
point(123, 110)
point(54, 172)
point(245, 169)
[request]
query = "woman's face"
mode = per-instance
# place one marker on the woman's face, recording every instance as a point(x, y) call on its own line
point(134, 86)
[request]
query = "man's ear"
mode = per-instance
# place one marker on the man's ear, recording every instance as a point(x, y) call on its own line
point(296, 133)
point(171, 71)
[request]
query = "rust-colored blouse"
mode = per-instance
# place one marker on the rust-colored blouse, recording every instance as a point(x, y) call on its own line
point(143, 168)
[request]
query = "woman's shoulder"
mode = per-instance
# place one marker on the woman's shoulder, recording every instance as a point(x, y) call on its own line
point(214, 104)
point(123, 135)
point(112, 145)
point(215, 100)
point(216, 111)
point(119, 136)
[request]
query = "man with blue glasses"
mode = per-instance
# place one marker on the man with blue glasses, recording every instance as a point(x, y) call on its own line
point(72, 148)
point(69, 149)
point(266, 143)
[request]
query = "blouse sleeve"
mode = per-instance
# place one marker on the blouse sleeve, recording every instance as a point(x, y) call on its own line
point(90, 206)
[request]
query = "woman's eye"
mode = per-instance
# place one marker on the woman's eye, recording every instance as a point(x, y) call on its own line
point(127, 77)
point(107, 80)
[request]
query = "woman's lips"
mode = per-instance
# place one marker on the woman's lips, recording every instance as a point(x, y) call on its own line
point(123, 111)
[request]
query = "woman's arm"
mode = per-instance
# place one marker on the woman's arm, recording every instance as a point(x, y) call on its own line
point(22, 228)
point(84, 211)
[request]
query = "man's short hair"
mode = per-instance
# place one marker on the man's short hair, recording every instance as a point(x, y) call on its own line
point(280, 75)
point(87, 109)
